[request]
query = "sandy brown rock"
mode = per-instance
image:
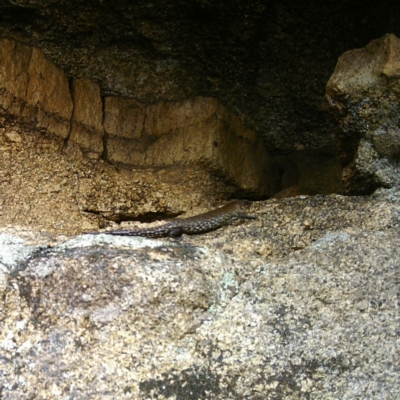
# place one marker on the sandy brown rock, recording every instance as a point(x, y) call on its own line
point(48, 95)
point(87, 118)
point(34, 89)
point(14, 77)
point(123, 118)
point(46, 188)
point(198, 131)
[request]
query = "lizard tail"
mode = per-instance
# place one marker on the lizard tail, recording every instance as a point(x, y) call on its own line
point(142, 233)
point(126, 233)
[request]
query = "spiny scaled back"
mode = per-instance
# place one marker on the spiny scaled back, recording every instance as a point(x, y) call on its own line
point(198, 224)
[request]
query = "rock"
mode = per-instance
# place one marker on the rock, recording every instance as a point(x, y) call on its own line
point(365, 89)
point(123, 118)
point(236, 313)
point(43, 186)
point(87, 118)
point(13, 136)
point(199, 132)
point(34, 89)
point(48, 95)
point(14, 63)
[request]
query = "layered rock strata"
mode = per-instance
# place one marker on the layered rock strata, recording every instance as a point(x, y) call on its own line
point(123, 131)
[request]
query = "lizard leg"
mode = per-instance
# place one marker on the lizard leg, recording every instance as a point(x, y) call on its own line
point(175, 232)
point(245, 216)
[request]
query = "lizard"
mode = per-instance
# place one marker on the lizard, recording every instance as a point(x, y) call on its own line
point(198, 224)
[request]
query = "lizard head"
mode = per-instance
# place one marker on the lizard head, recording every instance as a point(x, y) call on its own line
point(240, 206)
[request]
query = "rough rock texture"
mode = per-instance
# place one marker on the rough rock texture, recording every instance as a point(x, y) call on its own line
point(301, 303)
point(33, 88)
point(365, 90)
point(191, 132)
point(43, 188)
point(14, 78)
point(198, 133)
point(87, 119)
point(267, 61)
